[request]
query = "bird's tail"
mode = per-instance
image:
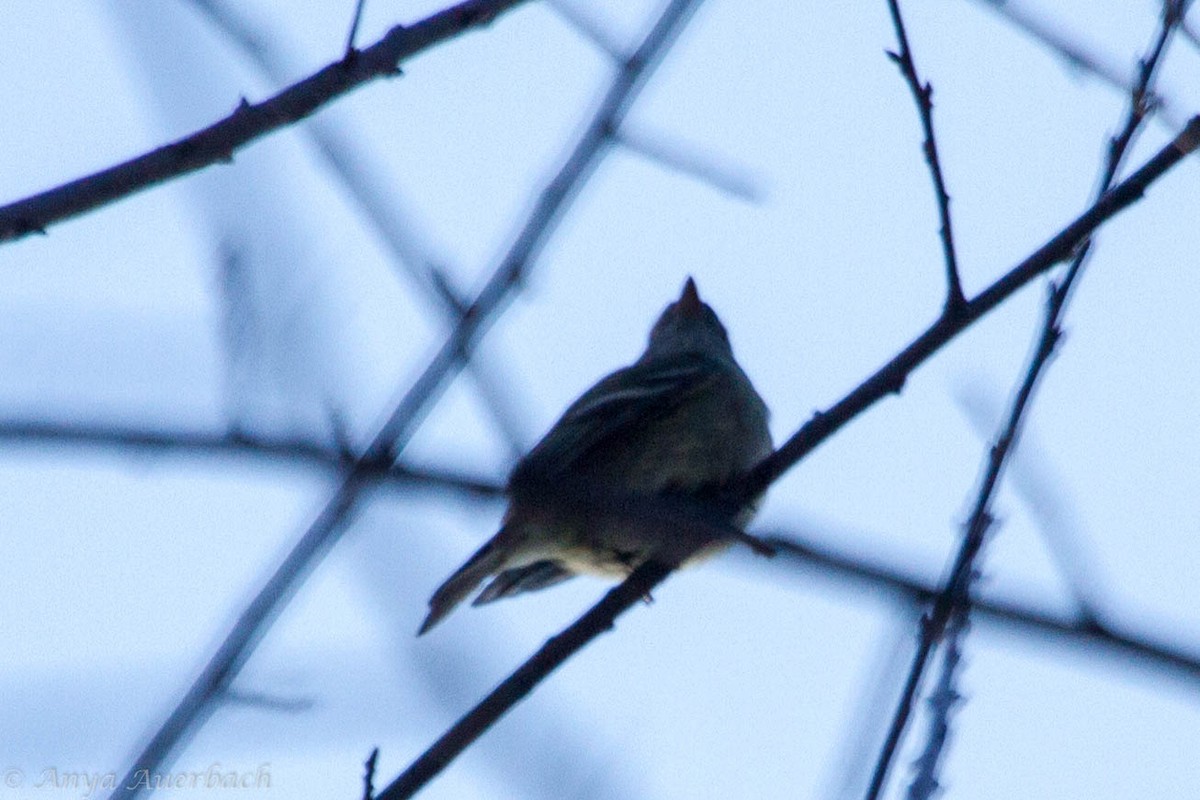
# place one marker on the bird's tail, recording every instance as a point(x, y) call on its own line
point(487, 559)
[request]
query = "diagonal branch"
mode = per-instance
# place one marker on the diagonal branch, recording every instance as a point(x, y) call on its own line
point(549, 209)
point(943, 701)
point(956, 590)
point(218, 142)
point(379, 205)
point(890, 378)
point(923, 96)
point(517, 686)
point(602, 616)
point(224, 665)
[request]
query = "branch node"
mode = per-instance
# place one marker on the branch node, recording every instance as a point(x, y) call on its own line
point(955, 307)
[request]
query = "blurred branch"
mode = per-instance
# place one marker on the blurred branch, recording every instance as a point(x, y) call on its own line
point(202, 443)
point(1076, 54)
point(249, 121)
point(380, 205)
point(1190, 33)
point(666, 152)
point(1023, 617)
point(395, 433)
point(672, 154)
point(923, 96)
point(583, 20)
point(270, 702)
point(864, 727)
point(957, 587)
point(1041, 494)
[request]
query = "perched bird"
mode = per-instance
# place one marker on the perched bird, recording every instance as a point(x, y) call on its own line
point(682, 419)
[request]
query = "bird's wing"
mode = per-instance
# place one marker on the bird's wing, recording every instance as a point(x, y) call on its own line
point(617, 405)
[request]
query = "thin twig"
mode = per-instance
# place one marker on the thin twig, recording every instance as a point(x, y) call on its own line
point(369, 775)
point(956, 589)
point(1052, 515)
point(243, 637)
point(218, 142)
point(355, 20)
point(943, 700)
point(1191, 33)
point(923, 96)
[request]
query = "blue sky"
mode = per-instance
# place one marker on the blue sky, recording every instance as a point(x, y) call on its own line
point(744, 678)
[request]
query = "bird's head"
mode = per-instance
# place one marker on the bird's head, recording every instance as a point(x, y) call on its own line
point(689, 325)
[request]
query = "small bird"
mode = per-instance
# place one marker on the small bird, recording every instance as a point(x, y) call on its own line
point(683, 419)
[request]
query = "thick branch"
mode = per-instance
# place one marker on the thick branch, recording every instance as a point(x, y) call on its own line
point(517, 686)
point(249, 121)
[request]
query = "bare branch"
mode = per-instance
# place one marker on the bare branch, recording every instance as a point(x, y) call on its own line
point(957, 587)
point(923, 96)
point(601, 616)
point(1078, 55)
point(513, 689)
point(258, 616)
point(1190, 33)
point(249, 121)
point(943, 700)
point(270, 702)
point(890, 378)
point(1040, 493)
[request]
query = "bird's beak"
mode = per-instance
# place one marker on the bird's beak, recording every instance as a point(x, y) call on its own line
point(689, 302)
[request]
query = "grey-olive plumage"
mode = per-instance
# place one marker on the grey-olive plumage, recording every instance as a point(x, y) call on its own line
point(683, 418)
